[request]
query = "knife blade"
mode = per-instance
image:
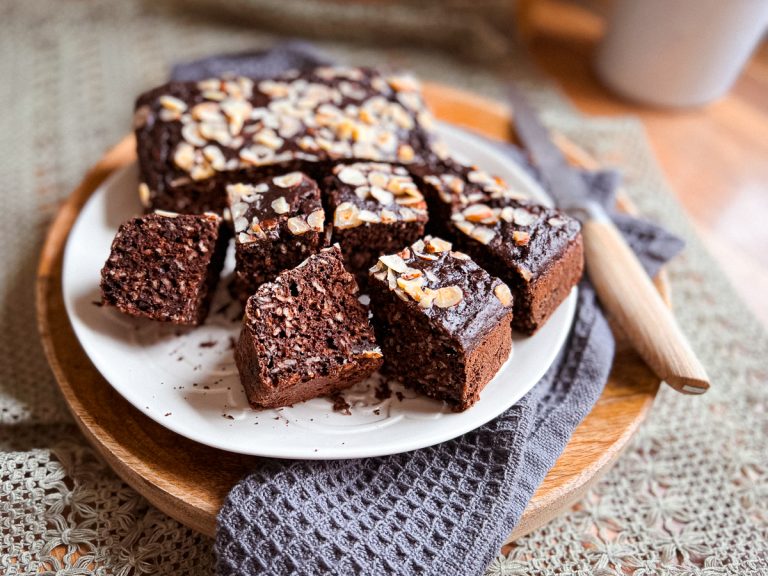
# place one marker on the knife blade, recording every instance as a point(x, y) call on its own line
point(566, 186)
point(624, 289)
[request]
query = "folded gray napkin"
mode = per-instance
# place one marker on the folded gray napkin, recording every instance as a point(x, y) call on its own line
point(440, 510)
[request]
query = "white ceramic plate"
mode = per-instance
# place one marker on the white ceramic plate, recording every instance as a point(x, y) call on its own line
point(187, 381)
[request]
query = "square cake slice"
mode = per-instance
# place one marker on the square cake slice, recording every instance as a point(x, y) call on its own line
point(443, 323)
point(165, 267)
point(305, 334)
point(536, 250)
point(278, 222)
point(377, 209)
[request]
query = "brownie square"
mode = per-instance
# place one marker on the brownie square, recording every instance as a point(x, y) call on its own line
point(194, 138)
point(305, 334)
point(165, 267)
point(376, 208)
point(536, 250)
point(278, 222)
point(443, 323)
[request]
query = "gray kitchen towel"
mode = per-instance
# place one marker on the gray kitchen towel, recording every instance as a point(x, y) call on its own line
point(441, 510)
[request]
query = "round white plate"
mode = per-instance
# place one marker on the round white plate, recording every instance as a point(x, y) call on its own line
point(186, 379)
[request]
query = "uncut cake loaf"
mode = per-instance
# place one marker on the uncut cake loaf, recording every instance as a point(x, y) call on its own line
point(165, 267)
point(443, 323)
point(305, 334)
point(193, 138)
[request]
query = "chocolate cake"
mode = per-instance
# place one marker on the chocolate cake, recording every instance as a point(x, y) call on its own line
point(193, 138)
point(443, 323)
point(376, 208)
point(305, 334)
point(536, 250)
point(165, 267)
point(278, 222)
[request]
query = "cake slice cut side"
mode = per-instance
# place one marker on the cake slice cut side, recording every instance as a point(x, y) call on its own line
point(305, 335)
point(165, 267)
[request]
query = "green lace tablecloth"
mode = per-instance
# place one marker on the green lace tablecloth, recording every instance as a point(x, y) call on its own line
point(689, 497)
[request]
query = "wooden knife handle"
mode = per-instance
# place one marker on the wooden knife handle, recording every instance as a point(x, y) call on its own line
point(628, 295)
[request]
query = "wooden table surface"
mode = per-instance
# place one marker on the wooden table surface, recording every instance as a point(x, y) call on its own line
point(715, 157)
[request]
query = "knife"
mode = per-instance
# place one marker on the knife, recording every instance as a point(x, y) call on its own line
point(624, 289)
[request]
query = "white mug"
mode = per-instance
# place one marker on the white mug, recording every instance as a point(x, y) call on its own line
point(679, 52)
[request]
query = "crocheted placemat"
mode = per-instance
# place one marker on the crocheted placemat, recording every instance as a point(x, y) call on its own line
point(690, 495)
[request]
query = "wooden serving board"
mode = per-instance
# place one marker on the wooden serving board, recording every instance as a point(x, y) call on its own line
point(189, 481)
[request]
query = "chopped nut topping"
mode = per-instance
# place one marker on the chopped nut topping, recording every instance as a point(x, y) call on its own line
point(411, 287)
point(556, 221)
point(526, 274)
point(507, 214)
point(482, 234)
point(504, 295)
point(379, 179)
point(394, 262)
point(237, 111)
point(480, 177)
point(375, 353)
point(465, 227)
point(191, 133)
point(297, 226)
point(382, 196)
point(201, 172)
point(435, 245)
point(184, 157)
point(406, 153)
point(368, 216)
point(209, 84)
point(521, 238)
point(215, 156)
point(288, 180)
point(240, 223)
point(172, 103)
point(280, 205)
point(523, 217)
point(448, 296)
point(388, 216)
point(238, 209)
point(404, 83)
point(459, 255)
point(316, 220)
point(352, 176)
point(166, 214)
point(346, 216)
point(207, 111)
point(479, 213)
point(428, 296)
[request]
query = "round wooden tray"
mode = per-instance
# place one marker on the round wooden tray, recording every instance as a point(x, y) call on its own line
point(189, 481)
